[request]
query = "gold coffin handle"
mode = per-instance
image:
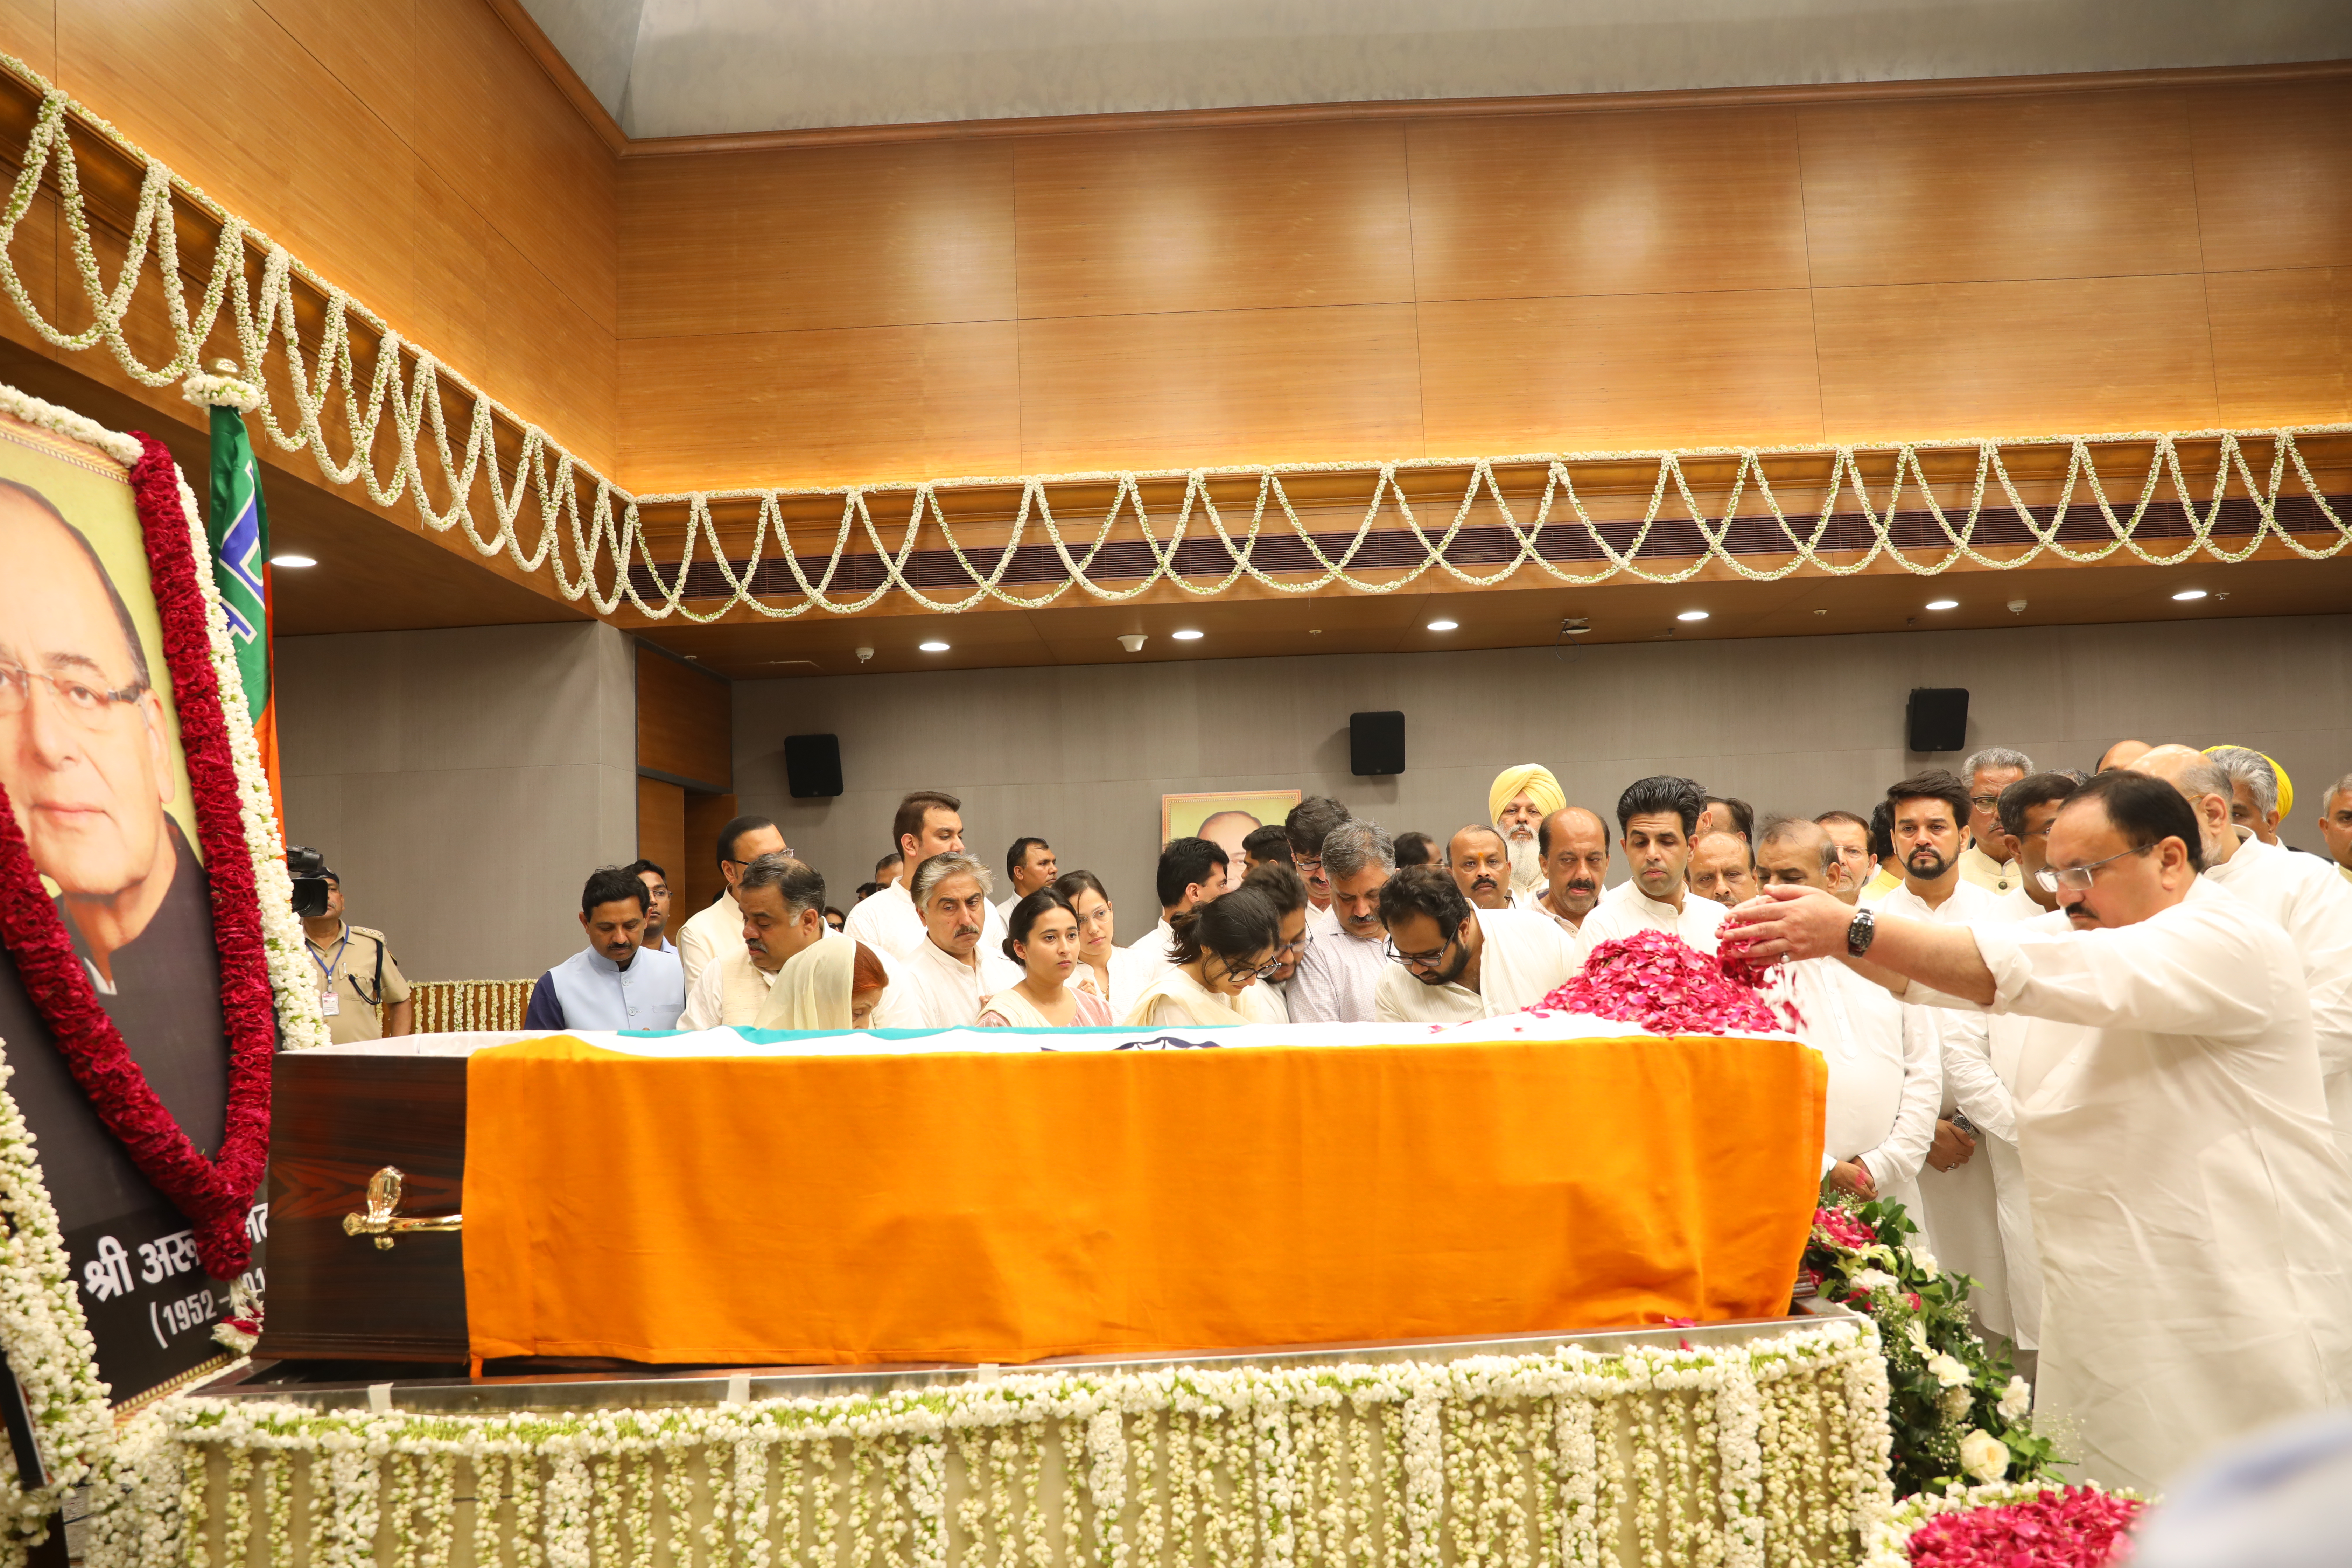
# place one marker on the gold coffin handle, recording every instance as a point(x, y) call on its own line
point(383, 1219)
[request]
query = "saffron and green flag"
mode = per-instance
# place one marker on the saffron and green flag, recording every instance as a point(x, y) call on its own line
point(239, 531)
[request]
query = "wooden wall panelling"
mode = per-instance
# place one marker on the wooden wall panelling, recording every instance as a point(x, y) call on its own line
point(2283, 344)
point(857, 237)
point(2273, 165)
point(1664, 201)
point(1172, 390)
point(704, 815)
point(1621, 370)
point(661, 834)
point(684, 720)
point(1214, 220)
point(2014, 359)
point(2086, 184)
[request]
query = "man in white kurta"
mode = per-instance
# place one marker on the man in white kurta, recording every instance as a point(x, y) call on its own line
point(1959, 1188)
point(1457, 963)
point(1575, 847)
point(2299, 892)
point(2193, 1210)
point(1626, 909)
point(782, 903)
point(1339, 976)
point(941, 982)
point(1884, 1082)
point(928, 823)
point(1655, 819)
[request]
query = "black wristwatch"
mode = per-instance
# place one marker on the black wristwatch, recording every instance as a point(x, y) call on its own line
point(1858, 935)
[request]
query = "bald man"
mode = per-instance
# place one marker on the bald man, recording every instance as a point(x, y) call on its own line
point(1516, 802)
point(85, 756)
point(1481, 865)
point(1575, 847)
point(2295, 892)
point(2122, 754)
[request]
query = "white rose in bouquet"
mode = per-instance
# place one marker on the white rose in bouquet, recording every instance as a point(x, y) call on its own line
point(2016, 1400)
point(1949, 1369)
point(1875, 1280)
point(1984, 1455)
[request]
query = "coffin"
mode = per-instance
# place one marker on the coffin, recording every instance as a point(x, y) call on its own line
point(337, 1117)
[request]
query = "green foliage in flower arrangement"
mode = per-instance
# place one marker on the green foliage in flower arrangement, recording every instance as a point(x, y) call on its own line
point(1960, 1413)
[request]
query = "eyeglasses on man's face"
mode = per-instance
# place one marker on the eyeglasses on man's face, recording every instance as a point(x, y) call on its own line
point(91, 707)
point(2078, 879)
point(1428, 960)
point(1985, 802)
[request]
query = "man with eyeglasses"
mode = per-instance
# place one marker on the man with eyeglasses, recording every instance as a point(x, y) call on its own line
point(1451, 962)
point(85, 756)
point(2297, 893)
point(717, 929)
point(1989, 861)
point(1268, 1001)
point(1309, 823)
point(2193, 1212)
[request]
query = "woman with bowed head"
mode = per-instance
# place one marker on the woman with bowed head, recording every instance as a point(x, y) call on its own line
point(1100, 970)
point(1044, 940)
point(869, 980)
point(825, 986)
point(1222, 948)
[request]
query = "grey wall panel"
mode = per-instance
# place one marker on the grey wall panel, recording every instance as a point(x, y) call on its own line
point(463, 784)
point(1081, 755)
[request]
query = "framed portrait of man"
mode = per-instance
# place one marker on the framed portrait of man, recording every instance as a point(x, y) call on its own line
point(1224, 817)
point(97, 779)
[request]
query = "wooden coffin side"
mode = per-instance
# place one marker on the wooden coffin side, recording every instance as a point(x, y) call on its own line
point(335, 1120)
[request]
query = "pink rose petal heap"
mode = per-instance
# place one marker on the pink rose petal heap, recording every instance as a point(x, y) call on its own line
point(1840, 1228)
point(2072, 1527)
point(1667, 987)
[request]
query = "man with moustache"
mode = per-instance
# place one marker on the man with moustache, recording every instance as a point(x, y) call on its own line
point(614, 983)
point(782, 903)
point(2193, 1212)
point(1929, 813)
point(1722, 866)
point(1988, 861)
point(1481, 865)
point(942, 982)
point(1454, 962)
point(928, 822)
point(1339, 976)
point(1884, 1084)
point(1656, 817)
point(2028, 807)
point(1850, 833)
point(1516, 802)
point(1575, 847)
point(1310, 822)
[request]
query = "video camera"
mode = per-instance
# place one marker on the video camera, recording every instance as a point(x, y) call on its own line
point(310, 871)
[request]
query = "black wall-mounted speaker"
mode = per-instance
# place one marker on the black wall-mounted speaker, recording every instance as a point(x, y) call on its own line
point(813, 766)
point(1937, 718)
point(1375, 744)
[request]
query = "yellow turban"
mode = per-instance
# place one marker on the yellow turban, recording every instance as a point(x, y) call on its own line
point(1528, 779)
point(2286, 784)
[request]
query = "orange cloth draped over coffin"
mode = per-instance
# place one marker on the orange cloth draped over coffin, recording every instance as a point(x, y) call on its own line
point(1008, 1207)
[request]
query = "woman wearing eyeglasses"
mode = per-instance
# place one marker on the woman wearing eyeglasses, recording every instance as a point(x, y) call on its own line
point(1044, 944)
point(1222, 949)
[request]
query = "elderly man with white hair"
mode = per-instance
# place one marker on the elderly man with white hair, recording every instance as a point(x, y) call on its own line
point(1516, 802)
point(940, 983)
point(2261, 793)
point(1986, 773)
point(2297, 892)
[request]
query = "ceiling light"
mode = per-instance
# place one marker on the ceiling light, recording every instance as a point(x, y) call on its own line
point(1692, 616)
point(933, 646)
point(293, 560)
point(1943, 603)
point(2187, 595)
point(1443, 625)
point(1186, 636)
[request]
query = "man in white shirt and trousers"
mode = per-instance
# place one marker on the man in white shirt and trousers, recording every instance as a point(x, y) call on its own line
point(1928, 818)
point(1455, 962)
point(929, 822)
point(1885, 1082)
point(2193, 1209)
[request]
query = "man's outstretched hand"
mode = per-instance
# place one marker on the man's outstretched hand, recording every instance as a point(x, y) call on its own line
point(1792, 923)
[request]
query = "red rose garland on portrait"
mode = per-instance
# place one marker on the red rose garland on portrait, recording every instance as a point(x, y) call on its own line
point(213, 1194)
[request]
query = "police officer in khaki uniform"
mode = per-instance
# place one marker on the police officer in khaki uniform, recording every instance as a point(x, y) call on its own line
point(356, 974)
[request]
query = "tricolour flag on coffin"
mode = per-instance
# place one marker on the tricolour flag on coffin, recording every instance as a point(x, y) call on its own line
point(239, 531)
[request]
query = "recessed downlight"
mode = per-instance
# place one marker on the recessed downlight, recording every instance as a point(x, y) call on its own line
point(293, 560)
point(1187, 635)
point(1943, 603)
point(2187, 596)
point(933, 646)
point(1443, 625)
point(1692, 616)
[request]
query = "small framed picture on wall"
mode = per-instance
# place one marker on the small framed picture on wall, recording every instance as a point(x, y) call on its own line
point(1224, 818)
